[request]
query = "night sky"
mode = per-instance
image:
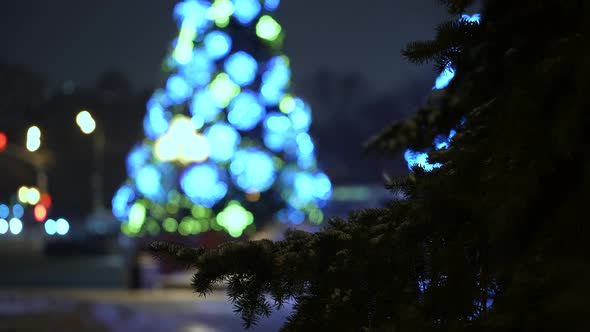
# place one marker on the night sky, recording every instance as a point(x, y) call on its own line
point(78, 39)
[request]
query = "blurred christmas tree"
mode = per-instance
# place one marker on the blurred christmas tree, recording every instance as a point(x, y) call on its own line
point(225, 141)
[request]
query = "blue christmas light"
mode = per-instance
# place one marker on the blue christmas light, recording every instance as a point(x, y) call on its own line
point(137, 158)
point(122, 201)
point(193, 13)
point(223, 140)
point(253, 170)
point(271, 94)
point(148, 181)
point(304, 187)
point(278, 131)
point(416, 158)
point(304, 144)
point(444, 78)
point(323, 186)
point(278, 72)
point(202, 184)
point(197, 72)
point(178, 89)
point(245, 112)
point(473, 18)
point(300, 118)
point(271, 4)
point(203, 105)
point(241, 67)
point(246, 10)
point(155, 122)
point(217, 44)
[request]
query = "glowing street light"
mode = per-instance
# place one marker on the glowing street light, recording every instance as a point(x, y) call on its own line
point(85, 122)
point(33, 138)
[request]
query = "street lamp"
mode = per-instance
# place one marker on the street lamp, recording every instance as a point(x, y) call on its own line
point(99, 217)
point(86, 122)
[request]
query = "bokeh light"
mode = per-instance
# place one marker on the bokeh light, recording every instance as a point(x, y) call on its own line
point(40, 212)
point(267, 28)
point(224, 139)
point(241, 67)
point(46, 200)
point(33, 138)
point(3, 141)
point(49, 226)
point(62, 226)
point(246, 10)
point(85, 121)
point(3, 226)
point(121, 203)
point(245, 112)
point(271, 4)
point(217, 44)
point(182, 143)
point(15, 226)
point(4, 211)
point(18, 211)
point(203, 105)
point(235, 218)
point(253, 170)
point(223, 90)
point(202, 183)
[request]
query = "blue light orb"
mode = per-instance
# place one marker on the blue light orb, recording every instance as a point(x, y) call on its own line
point(241, 67)
point(148, 181)
point(122, 201)
point(277, 122)
point(277, 73)
point(278, 131)
point(246, 10)
point(178, 89)
point(3, 226)
point(202, 184)
point(155, 122)
point(295, 216)
point(304, 187)
point(50, 227)
point(444, 78)
point(275, 142)
point(224, 140)
point(253, 170)
point(271, 4)
point(203, 105)
point(415, 158)
point(323, 187)
point(4, 211)
point(18, 211)
point(304, 143)
point(245, 112)
point(137, 158)
point(300, 117)
point(271, 94)
point(197, 72)
point(62, 226)
point(217, 44)
point(15, 225)
point(193, 12)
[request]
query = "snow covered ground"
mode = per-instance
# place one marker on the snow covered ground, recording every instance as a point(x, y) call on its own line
point(174, 310)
